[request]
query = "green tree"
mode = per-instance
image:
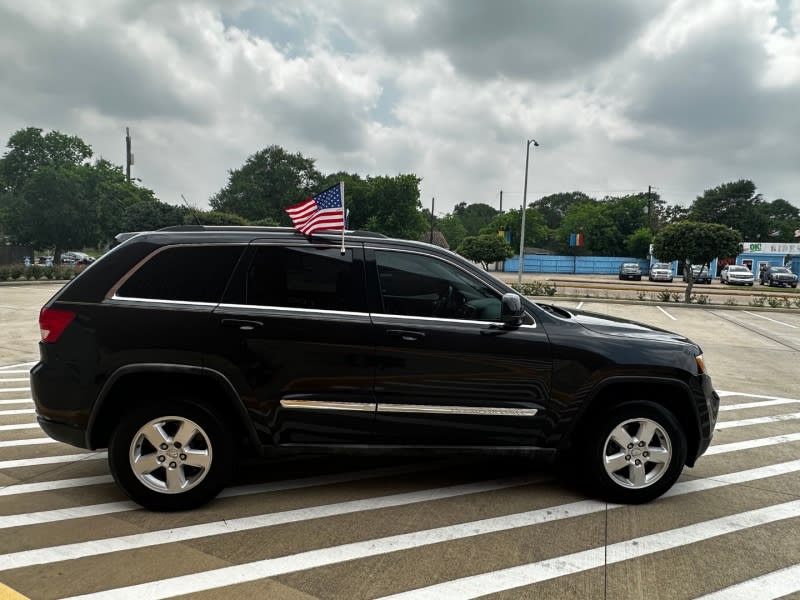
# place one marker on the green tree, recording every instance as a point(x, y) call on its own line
point(601, 234)
point(269, 180)
point(29, 150)
point(553, 208)
point(474, 217)
point(695, 243)
point(735, 204)
point(150, 215)
point(52, 211)
point(212, 217)
point(485, 249)
point(536, 232)
point(638, 243)
point(452, 229)
point(783, 218)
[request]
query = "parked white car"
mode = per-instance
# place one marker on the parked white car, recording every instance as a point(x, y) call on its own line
point(736, 274)
point(660, 272)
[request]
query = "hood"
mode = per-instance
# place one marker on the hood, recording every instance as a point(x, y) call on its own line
point(607, 325)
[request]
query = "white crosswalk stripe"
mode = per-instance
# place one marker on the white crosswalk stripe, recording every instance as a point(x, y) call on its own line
point(76, 506)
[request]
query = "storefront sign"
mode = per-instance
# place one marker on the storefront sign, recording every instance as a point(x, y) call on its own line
point(771, 248)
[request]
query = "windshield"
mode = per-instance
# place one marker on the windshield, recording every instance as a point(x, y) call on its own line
point(780, 270)
point(736, 268)
point(662, 266)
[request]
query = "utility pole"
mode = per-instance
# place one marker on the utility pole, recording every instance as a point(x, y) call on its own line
point(128, 154)
point(501, 201)
point(433, 201)
point(650, 207)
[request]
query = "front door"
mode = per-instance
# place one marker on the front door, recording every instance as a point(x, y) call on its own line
point(446, 375)
point(296, 340)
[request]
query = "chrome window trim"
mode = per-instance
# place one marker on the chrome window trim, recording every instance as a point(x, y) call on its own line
point(290, 309)
point(444, 320)
point(160, 301)
point(457, 410)
point(326, 405)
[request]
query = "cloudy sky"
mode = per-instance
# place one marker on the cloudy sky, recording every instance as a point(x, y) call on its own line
point(621, 94)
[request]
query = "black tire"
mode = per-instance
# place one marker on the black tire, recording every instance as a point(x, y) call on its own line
point(209, 456)
point(629, 484)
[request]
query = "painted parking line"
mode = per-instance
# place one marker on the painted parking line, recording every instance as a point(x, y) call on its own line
point(16, 400)
point(27, 442)
point(580, 304)
point(766, 587)
point(14, 379)
point(51, 460)
point(14, 366)
point(7, 593)
point(666, 313)
point(27, 558)
point(757, 421)
point(723, 394)
point(531, 573)
point(19, 426)
point(50, 516)
point(17, 411)
point(60, 484)
point(16, 389)
point(750, 444)
point(769, 319)
point(470, 587)
point(758, 404)
point(15, 371)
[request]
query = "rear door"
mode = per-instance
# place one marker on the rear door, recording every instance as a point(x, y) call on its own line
point(296, 339)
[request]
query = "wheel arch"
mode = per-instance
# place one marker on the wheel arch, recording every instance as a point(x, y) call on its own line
point(129, 380)
point(672, 394)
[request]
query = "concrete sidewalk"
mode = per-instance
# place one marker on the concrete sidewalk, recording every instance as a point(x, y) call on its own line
point(19, 319)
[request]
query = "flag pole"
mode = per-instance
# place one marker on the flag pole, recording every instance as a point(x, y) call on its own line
point(344, 214)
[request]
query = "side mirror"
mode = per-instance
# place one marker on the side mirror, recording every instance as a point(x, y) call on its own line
point(511, 313)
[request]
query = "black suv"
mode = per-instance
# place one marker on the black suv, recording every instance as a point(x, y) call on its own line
point(184, 349)
point(777, 276)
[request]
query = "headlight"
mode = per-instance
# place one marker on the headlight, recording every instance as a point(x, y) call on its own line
point(701, 363)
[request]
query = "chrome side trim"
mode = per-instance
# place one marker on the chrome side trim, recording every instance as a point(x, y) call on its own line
point(324, 405)
point(442, 320)
point(292, 309)
point(159, 301)
point(457, 410)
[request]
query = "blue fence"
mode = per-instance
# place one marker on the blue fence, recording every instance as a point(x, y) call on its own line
point(589, 265)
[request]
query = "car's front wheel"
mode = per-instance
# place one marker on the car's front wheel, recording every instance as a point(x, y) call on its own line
point(174, 455)
point(635, 453)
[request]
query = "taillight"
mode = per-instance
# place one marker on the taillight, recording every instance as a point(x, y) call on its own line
point(53, 322)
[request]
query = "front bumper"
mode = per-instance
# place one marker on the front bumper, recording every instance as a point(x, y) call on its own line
point(708, 408)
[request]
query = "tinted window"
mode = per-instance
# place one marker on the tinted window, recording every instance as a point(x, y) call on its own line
point(423, 286)
point(303, 277)
point(188, 273)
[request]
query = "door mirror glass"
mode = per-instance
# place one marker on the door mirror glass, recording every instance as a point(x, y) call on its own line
point(511, 313)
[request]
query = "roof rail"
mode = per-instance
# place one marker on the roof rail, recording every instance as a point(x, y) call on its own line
point(259, 228)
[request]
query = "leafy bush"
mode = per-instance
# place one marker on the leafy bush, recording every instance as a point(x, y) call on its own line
point(700, 299)
point(4, 273)
point(535, 288)
point(730, 302)
point(641, 295)
point(664, 295)
point(676, 297)
point(757, 301)
point(35, 272)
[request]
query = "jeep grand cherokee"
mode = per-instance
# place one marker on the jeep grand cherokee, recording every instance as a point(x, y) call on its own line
point(184, 349)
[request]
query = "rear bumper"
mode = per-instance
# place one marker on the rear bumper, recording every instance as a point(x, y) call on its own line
point(62, 432)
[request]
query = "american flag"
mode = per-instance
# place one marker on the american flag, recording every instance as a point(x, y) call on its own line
point(322, 212)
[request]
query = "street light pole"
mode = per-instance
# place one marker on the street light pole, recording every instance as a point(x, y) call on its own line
point(524, 205)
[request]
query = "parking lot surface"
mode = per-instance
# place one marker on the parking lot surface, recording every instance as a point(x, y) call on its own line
point(444, 527)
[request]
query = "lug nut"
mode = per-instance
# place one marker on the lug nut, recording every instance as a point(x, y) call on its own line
point(638, 462)
point(627, 457)
point(177, 444)
point(163, 446)
point(183, 457)
point(641, 444)
point(173, 464)
point(645, 454)
point(630, 446)
point(161, 459)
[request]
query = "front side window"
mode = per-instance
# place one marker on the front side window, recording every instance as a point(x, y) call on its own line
point(423, 286)
point(184, 273)
point(305, 277)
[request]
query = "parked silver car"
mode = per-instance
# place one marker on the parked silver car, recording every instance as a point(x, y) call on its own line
point(736, 274)
point(660, 272)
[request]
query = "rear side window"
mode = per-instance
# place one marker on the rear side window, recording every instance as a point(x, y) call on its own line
point(184, 273)
point(304, 277)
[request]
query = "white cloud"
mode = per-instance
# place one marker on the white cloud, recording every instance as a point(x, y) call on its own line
point(678, 94)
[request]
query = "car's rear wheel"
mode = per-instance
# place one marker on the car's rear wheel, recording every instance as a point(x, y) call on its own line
point(635, 453)
point(174, 455)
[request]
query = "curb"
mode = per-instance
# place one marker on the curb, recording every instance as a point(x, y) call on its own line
point(34, 282)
